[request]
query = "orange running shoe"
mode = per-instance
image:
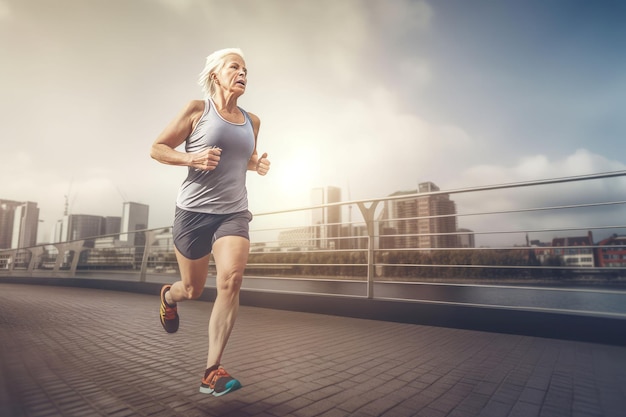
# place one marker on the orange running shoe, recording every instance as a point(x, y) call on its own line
point(218, 382)
point(168, 314)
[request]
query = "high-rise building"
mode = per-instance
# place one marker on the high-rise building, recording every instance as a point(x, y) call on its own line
point(466, 238)
point(81, 226)
point(436, 225)
point(25, 225)
point(19, 222)
point(422, 221)
point(326, 220)
point(59, 230)
point(112, 225)
point(7, 214)
point(134, 218)
point(398, 223)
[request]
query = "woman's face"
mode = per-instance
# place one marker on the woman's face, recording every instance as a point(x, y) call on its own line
point(233, 75)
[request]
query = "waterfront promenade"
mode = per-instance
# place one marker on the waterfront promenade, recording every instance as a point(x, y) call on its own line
point(90, 352)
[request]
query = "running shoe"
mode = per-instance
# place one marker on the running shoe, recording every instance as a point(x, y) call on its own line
point(168, 314)
point(218, 382)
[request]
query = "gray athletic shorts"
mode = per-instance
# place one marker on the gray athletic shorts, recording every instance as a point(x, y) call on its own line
point(194, 233)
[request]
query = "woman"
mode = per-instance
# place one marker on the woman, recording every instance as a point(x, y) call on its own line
point(212, 206)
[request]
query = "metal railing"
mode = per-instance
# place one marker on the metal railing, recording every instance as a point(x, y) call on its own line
point(471, 237)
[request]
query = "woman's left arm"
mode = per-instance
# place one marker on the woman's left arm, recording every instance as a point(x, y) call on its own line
point(257, 163)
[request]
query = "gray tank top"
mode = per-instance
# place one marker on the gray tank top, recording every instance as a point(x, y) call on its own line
point(222, 190)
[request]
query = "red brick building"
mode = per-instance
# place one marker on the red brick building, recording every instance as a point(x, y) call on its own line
point(575, 251)
point(612, 252)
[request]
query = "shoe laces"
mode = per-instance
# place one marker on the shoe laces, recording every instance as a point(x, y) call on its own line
point(169, 313)
point(217, 374)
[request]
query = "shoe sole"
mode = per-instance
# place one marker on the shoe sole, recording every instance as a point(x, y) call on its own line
point(234, 387)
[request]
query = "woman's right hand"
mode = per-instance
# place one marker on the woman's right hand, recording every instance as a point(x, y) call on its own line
point(206, 160)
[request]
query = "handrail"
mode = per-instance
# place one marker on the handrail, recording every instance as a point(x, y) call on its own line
point(492, 187)
point(353, 249)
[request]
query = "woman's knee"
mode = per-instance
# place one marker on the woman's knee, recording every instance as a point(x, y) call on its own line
point(230, 281)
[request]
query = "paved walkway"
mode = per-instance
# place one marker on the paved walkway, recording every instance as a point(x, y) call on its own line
point(84, 352)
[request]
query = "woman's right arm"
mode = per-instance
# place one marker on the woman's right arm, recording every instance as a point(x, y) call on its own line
point(175, 133)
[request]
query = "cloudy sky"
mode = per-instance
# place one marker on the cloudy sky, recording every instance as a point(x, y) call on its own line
point(370, 96)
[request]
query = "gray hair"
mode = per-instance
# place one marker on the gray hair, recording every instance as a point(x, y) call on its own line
point(214, 63)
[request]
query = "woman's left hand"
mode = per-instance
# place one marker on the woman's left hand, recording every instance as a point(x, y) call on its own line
point(263, 164)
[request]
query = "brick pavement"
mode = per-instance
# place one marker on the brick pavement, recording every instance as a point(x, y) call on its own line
point(87, 352)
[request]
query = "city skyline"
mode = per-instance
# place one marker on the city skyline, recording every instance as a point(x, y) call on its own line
point(330, 194)
point(369, 96)
point(422, 219)
point(19, 224)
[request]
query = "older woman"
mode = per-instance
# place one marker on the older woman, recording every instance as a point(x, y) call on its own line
point(212, 206)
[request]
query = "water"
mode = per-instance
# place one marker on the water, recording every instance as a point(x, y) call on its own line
point(597, 301)
point(606, 302)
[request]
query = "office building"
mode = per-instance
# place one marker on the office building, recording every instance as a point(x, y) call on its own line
point(134, 218)
point(419, 221)
point(326, 220)
point(436, 225)
point(19, 222)
point(7, 214)
point(398, 223)
point(612, 252)
point(112, 225)
point(80, 226)
point(467, 238)
point(25, 225)
point(575, 250)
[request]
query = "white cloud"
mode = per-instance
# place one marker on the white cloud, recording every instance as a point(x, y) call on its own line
point(368, 145)
point(332, 82)
point(540, 167)
point(535, 167)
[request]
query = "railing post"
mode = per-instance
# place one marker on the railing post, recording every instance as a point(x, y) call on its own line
point(13, 258)
point(34, 255)
point(150, 234)
point(368, 216)
point(62, 249)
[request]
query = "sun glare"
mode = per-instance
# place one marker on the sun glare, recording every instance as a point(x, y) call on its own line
point(300, 172)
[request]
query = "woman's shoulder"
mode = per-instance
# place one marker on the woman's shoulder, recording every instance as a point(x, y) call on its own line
point(195, 106)
point(254, 118)
point(194, 110)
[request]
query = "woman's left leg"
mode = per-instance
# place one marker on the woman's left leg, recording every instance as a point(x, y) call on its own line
point(230, 254)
